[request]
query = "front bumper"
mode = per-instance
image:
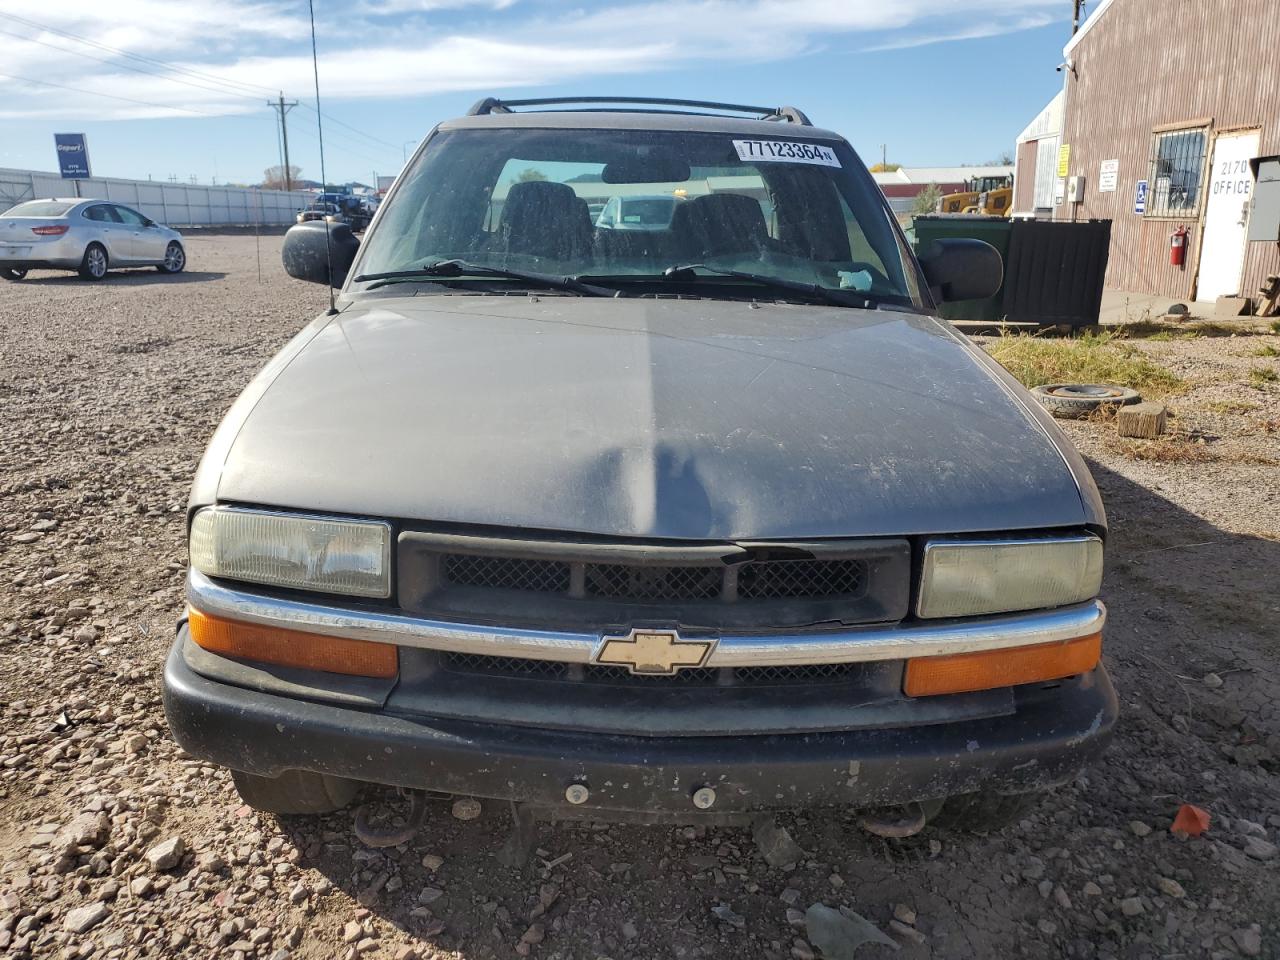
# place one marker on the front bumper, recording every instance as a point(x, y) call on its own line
point(1055, 730)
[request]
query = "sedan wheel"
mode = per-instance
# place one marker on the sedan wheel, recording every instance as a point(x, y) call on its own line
point(175, 258)
point(12, 273)
point(94, 264)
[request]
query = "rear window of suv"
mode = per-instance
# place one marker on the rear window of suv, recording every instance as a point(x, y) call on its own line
point(39, 208)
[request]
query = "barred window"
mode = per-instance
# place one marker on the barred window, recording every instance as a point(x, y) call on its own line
point(1177, 172)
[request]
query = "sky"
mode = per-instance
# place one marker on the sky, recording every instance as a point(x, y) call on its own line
point(167, 89)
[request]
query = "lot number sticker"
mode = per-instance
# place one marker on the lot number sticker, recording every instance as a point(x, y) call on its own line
point(785, 151)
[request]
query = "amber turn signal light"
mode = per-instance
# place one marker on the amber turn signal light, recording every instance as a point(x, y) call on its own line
point(988, 669)
point(293, 648)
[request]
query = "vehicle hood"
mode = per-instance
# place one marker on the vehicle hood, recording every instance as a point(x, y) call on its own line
point(650, 418)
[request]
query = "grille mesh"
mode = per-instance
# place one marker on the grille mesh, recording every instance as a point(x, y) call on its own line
point(507, 573)
point(757, 580)
point(809, 673)
point(619, 581)
point(801, 578)
point(506, 666)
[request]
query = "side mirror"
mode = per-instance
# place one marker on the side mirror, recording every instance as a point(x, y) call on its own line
point(960, 268)
point(148, 223)
point(306, 255)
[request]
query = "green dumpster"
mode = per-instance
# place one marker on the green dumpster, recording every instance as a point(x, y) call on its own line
point(994, 230)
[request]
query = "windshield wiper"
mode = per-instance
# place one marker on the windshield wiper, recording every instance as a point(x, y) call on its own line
point(839, 298)
point(461, 268)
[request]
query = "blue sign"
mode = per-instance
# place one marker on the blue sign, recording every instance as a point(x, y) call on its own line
point(1140, 198)
point(73, 155)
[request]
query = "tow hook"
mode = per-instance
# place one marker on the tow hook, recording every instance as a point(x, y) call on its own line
point(909, 821)
point(373, 837)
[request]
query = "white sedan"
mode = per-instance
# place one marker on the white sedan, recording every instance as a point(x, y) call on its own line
point(88, 236)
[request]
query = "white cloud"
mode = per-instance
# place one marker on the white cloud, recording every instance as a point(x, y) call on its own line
point(481, 45)
point(386, 8)
point(993, 28)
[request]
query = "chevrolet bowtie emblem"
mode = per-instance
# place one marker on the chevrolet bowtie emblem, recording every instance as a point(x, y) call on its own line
point(654, 652)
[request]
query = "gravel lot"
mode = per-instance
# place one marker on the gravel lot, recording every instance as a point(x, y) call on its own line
point(113, 844)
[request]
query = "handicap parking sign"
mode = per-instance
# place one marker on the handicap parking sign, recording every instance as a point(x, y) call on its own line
point(1140, 198)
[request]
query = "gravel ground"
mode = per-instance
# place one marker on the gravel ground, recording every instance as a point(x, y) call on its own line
point(113, 844)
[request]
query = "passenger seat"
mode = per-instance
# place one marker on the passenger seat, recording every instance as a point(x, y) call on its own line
point(544, 220)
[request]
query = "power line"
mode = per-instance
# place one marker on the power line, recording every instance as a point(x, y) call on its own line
point(125, 66)
point(137, 56)
point(340, 123)
point(109, 96)
point(224, 86)
point(349, 148)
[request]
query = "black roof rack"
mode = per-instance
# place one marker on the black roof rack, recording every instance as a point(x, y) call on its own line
point(789, 114)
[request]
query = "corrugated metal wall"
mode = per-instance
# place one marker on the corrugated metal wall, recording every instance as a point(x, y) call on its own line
point(1150, 63)
point(175, 204)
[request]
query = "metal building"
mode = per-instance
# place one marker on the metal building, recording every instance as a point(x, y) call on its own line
point(1170, 106)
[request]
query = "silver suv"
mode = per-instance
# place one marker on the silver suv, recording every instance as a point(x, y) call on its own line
point(698, 520)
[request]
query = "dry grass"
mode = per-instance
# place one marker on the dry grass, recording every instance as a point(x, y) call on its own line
point(1092, 358)
point(1229, 406)
point(1259, 377)
point(1172, 449)
point(1270, 350)
point(1148, 329)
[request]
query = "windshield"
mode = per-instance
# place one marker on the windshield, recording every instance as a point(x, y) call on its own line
point(40, 208)
point(626, 205)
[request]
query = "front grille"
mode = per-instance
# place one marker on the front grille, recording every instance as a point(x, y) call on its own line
point(610, 586)
point(802, 578)
point(520, 667)
point(506, 573)
point(620, 582)
point(756, 580)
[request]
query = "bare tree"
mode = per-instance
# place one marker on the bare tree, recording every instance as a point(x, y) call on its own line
point(273, 178)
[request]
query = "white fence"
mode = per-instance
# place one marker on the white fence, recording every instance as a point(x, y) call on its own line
point(176, 204)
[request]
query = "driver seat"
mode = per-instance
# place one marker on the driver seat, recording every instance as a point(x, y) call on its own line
point(718, 225)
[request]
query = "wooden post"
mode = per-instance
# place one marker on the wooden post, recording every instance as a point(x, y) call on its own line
point(1146, 420)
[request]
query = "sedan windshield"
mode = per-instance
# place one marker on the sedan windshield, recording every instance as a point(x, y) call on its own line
point(625, 207)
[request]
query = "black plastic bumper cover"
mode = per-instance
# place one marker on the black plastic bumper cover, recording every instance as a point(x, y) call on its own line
point(1055, 731)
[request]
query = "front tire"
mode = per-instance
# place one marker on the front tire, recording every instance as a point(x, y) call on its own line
point(12, 273)
point(984, 812)
point(295, 792)
point(175, 258)
point(95, 264)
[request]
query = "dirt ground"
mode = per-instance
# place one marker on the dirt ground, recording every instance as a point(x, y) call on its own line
point(109, 392)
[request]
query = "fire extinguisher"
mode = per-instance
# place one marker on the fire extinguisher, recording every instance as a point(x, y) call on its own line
point(1178, 247)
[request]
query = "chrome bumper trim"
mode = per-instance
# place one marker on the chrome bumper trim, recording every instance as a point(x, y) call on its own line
point(848, 645)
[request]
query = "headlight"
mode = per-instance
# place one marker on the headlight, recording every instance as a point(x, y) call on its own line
point(963, 578)
point(288, 550)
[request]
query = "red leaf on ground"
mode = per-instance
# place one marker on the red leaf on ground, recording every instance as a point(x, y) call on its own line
point(1191, 820)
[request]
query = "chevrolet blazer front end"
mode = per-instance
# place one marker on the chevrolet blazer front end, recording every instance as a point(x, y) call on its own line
point(707, 519)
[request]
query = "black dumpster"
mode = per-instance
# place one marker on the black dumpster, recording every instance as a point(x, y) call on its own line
point(1053, 269)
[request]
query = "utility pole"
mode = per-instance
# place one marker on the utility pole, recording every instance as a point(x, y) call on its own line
point(884, 156)
point(283, 106)
point(1076, 6)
